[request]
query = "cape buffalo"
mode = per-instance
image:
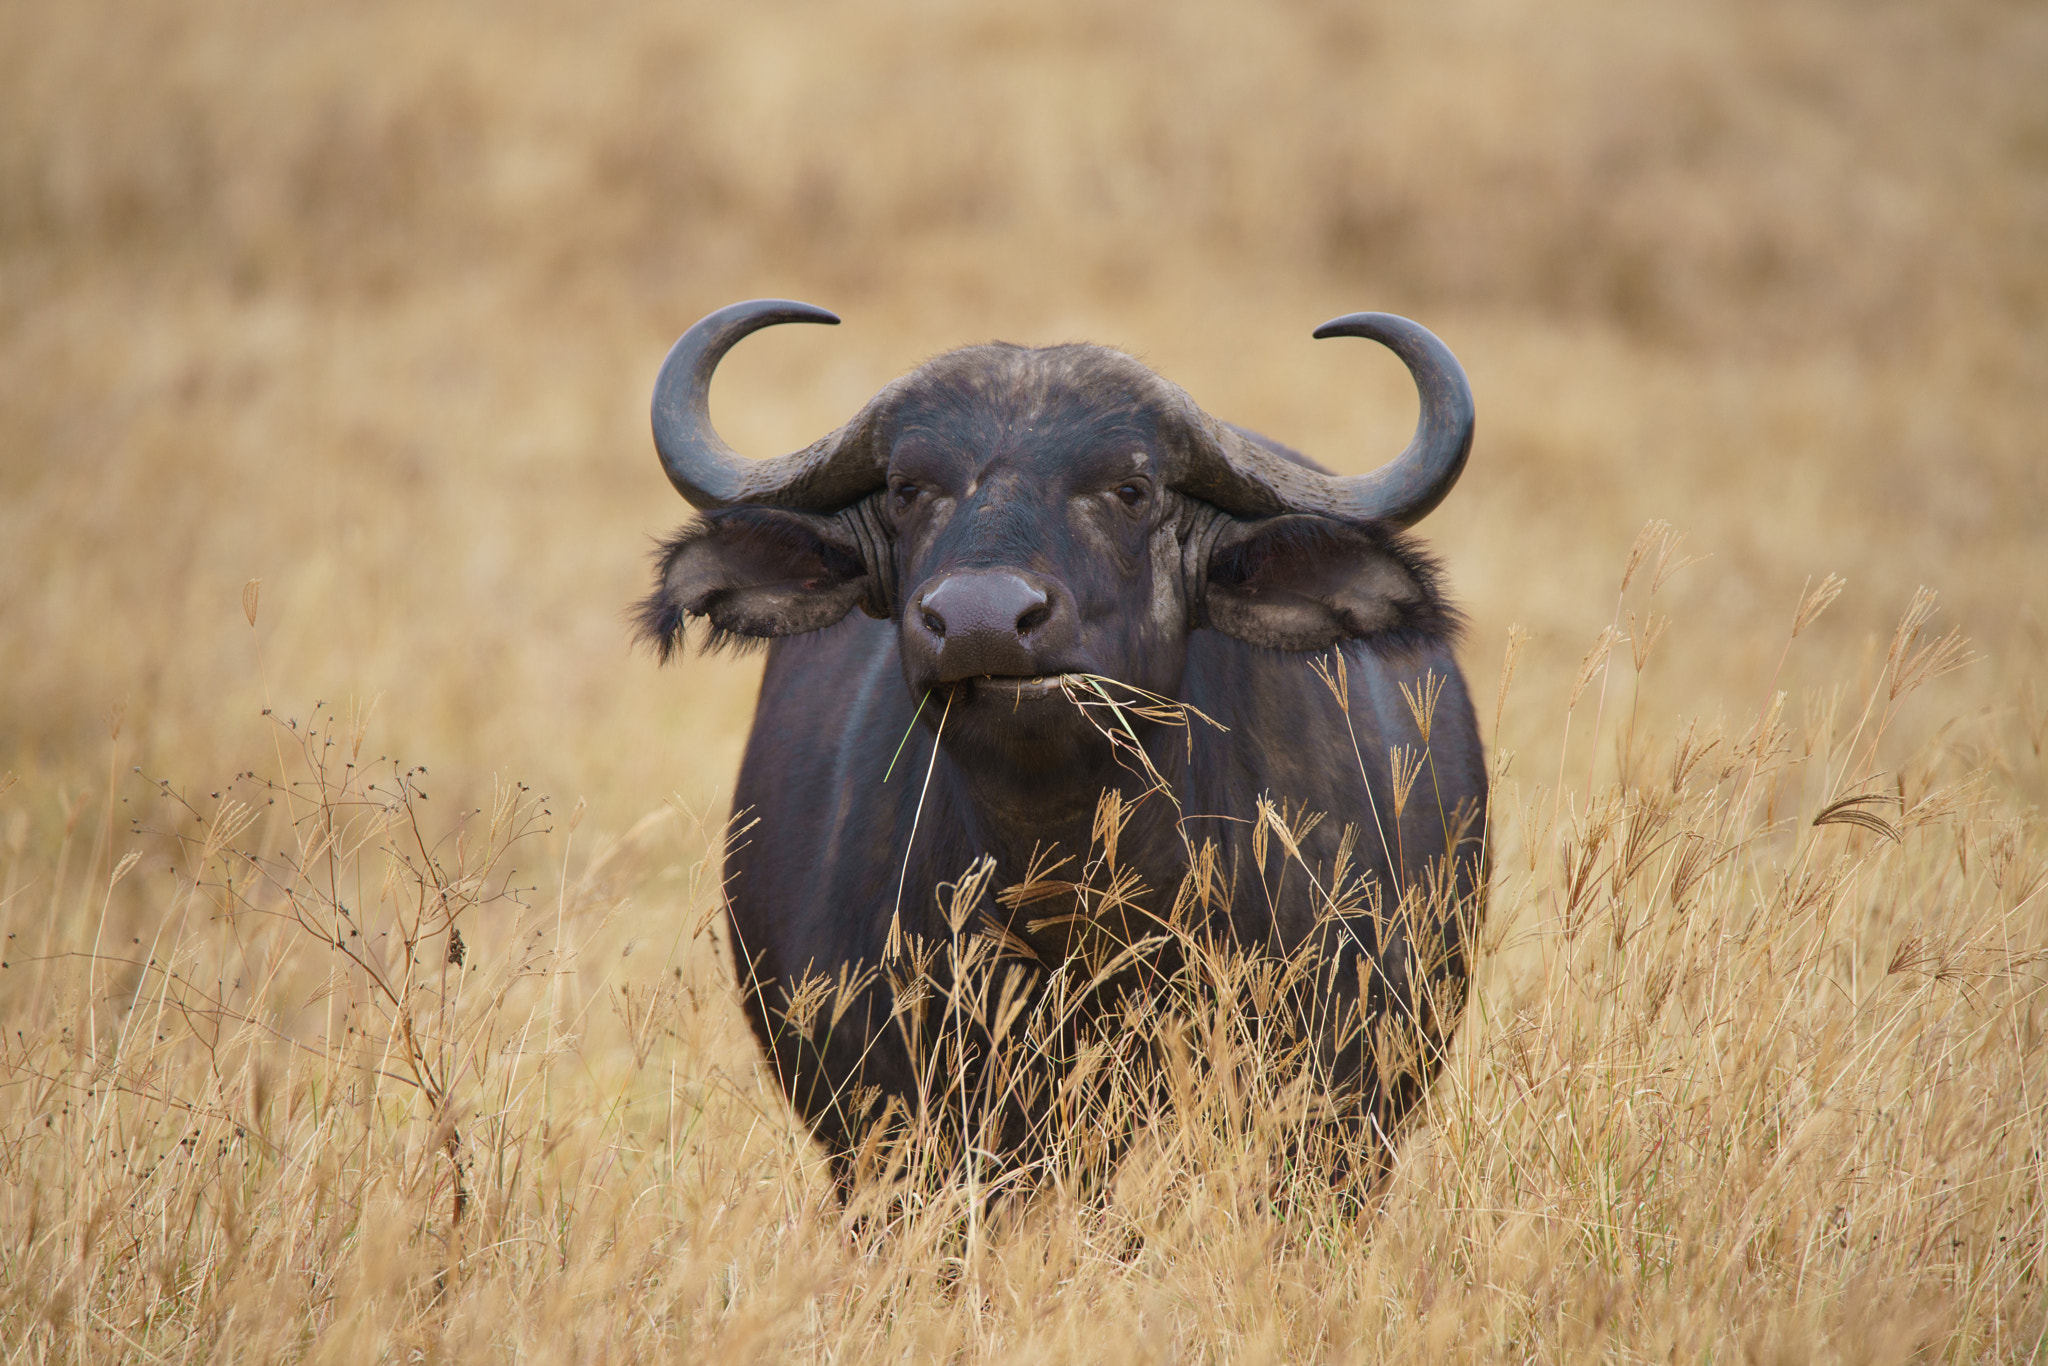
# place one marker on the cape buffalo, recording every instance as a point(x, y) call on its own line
point(1051, 549)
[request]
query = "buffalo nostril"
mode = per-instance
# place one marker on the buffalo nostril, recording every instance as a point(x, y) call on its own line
point(1032, 618)
point(933, 622)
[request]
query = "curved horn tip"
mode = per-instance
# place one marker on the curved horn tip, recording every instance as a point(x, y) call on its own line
point(796, 311)
point(1373, 326)
point(772, 311)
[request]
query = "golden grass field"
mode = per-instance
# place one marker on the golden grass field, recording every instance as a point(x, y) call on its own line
point(326, 336)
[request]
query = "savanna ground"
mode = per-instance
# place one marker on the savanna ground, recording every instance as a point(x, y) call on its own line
point(363, 303)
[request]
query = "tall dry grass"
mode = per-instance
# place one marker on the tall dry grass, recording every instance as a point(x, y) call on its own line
point(1752, 1065)
point(364, 304)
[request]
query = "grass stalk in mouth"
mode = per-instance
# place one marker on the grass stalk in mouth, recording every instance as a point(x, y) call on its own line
point(896, 916)
point(906, 733)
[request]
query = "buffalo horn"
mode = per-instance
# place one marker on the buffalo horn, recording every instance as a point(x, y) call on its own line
point(1407, 488)
point(1246, 475)
point(712, 474)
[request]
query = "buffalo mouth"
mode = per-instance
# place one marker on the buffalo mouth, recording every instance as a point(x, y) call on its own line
point(1055, 710)
point(1017, 690)
point(1029, 689)
point(1055, 699)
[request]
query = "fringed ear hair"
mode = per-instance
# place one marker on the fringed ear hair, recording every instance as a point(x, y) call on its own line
point(753, 574)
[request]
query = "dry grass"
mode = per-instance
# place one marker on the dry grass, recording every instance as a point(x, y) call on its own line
point(364, 303)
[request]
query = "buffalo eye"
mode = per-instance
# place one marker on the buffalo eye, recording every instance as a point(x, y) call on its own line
point(906, 494)
point(1132, 495)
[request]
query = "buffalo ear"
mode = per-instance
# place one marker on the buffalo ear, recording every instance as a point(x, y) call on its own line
point(1300, 582)
point(754, 573)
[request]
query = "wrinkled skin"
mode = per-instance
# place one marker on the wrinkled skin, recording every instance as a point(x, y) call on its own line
point(1028, 529)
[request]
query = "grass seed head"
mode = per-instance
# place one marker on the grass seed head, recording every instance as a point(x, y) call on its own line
point(1422, 700)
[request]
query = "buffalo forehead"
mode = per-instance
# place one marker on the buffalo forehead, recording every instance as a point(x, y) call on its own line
point(1087, 411)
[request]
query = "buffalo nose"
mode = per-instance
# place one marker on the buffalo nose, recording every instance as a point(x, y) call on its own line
point(966, 604)
point(985, 622)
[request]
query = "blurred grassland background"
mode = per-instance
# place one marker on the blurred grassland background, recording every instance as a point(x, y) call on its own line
point(365, 301)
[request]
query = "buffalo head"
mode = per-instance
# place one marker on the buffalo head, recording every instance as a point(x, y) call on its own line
point(1024, 515)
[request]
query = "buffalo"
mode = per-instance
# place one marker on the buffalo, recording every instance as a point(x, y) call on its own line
point(1078, 594)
